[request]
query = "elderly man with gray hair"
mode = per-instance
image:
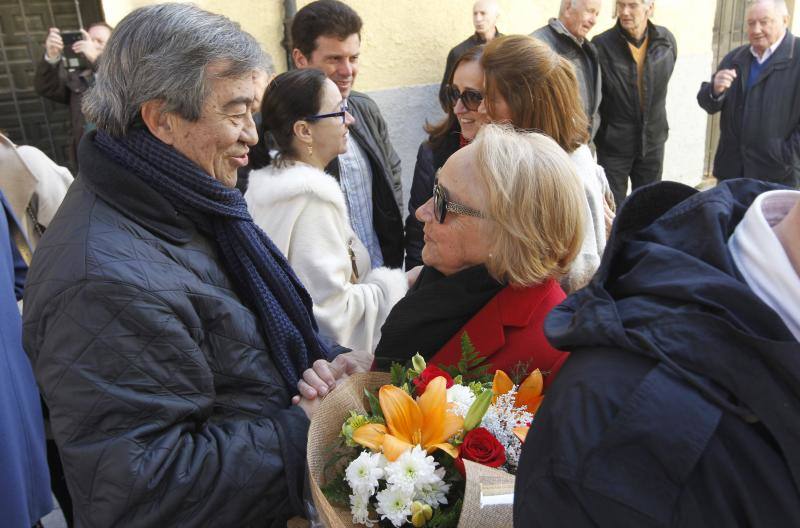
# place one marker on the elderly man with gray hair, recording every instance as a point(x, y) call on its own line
point(166, 331)
point(757, 89)
point(566, 35)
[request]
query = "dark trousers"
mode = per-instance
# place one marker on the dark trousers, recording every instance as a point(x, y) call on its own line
point(642, 170)
point(58, 482)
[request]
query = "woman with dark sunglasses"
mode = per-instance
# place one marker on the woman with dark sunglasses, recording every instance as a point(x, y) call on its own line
point(464, 94)
point(304, 212)
point(503, 225)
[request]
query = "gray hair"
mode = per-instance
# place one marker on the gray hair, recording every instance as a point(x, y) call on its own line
point(645, 3)
point(161, 52)
point(780, 5)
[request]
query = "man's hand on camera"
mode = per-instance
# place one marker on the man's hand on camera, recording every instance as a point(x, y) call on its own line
point(53, 44)
point(88, 47)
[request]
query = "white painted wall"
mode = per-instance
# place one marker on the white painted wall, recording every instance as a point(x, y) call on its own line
point(406, 109)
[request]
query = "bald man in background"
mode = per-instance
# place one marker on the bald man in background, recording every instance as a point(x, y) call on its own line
point(484, 17)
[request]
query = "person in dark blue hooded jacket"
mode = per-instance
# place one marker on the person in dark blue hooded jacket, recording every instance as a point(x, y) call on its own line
point(680, 403)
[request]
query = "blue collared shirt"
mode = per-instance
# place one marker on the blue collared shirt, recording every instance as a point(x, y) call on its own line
point(355, 178)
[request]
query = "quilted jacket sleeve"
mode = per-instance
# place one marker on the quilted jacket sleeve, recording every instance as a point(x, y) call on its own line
point(139, 428)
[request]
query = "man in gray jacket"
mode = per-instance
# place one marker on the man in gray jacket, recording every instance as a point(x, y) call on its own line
point(326, 35)
point(567, 36)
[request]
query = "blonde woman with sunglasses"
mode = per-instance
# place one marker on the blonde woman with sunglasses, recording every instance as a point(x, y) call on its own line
point(503, 225)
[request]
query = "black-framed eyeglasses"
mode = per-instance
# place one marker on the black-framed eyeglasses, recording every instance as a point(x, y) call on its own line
point(343, 109)
point(441, 205)
point(469, 97)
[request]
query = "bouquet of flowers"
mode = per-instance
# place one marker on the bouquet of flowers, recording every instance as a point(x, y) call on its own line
point(410, 446)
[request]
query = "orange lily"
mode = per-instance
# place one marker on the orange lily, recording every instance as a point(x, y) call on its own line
point(529, 393)
point(426, 422)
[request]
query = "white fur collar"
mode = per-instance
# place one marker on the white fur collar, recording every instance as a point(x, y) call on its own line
point(277, 184)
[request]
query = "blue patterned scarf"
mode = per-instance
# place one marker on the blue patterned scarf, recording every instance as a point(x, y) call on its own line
point(249, 256)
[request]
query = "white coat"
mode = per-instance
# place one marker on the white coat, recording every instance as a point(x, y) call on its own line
point(303, 211)
point(596, 188)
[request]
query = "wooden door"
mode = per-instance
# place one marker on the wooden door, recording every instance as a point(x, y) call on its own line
point(27, 118)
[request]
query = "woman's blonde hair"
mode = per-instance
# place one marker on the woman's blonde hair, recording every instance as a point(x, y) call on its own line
point(535, 202)
point(539, 86)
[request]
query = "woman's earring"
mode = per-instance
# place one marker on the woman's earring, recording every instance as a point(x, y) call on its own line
point(310, 150)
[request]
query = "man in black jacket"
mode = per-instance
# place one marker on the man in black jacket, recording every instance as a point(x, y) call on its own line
point(54, 81)
point(484, 18)
point(567, 36)
point(166, 331)
point(757, 89)
point(637, 59)
point(680, 403)
point(326, 35)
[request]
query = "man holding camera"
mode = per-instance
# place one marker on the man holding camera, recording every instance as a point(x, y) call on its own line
point(65, 81)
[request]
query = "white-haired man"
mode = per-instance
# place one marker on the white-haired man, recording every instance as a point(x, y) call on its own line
point(484, 18)
point(757, 89)
point(567, 36)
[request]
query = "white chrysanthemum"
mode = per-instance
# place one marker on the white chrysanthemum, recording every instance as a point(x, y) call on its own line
point(461, 397)
point(363, 473)
point(394, 503)
point(501, 419)
point(359, 508)
point(434, 493)
point(412, 470)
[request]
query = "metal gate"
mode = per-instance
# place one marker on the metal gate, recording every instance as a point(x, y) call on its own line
point(730, 32)
point(27, 118)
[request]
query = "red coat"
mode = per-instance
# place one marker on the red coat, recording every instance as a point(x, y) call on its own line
point(509, 330)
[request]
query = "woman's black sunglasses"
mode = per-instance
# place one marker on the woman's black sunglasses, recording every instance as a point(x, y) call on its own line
point(469, 97)
point(441, 205)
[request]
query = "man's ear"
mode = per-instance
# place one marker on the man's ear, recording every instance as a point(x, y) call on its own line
point(159, 123)
point(300, 60)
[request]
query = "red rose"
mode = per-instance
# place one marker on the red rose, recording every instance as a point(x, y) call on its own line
point(482, 447)
point(430, 373)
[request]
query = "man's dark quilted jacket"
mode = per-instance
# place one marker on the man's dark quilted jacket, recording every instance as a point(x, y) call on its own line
point(165, 405)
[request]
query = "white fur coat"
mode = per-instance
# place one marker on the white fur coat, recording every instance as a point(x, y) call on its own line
point(303, 211)
point(596, 188)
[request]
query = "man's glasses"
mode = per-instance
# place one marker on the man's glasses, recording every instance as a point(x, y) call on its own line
point(469, 97)
point(341, 113)
point(441, 205)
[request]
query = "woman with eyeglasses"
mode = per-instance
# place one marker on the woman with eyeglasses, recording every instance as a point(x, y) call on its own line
point(531, 87)
point(303, 211)
point(503, 225)
point(464, 94)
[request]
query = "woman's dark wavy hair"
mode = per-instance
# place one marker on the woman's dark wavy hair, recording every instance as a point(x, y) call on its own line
point(437, 132)
point(290, 97)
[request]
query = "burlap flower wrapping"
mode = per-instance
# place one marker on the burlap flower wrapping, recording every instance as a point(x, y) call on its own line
point(325, 428)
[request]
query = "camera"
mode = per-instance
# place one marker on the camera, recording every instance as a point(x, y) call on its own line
point(74, 61)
